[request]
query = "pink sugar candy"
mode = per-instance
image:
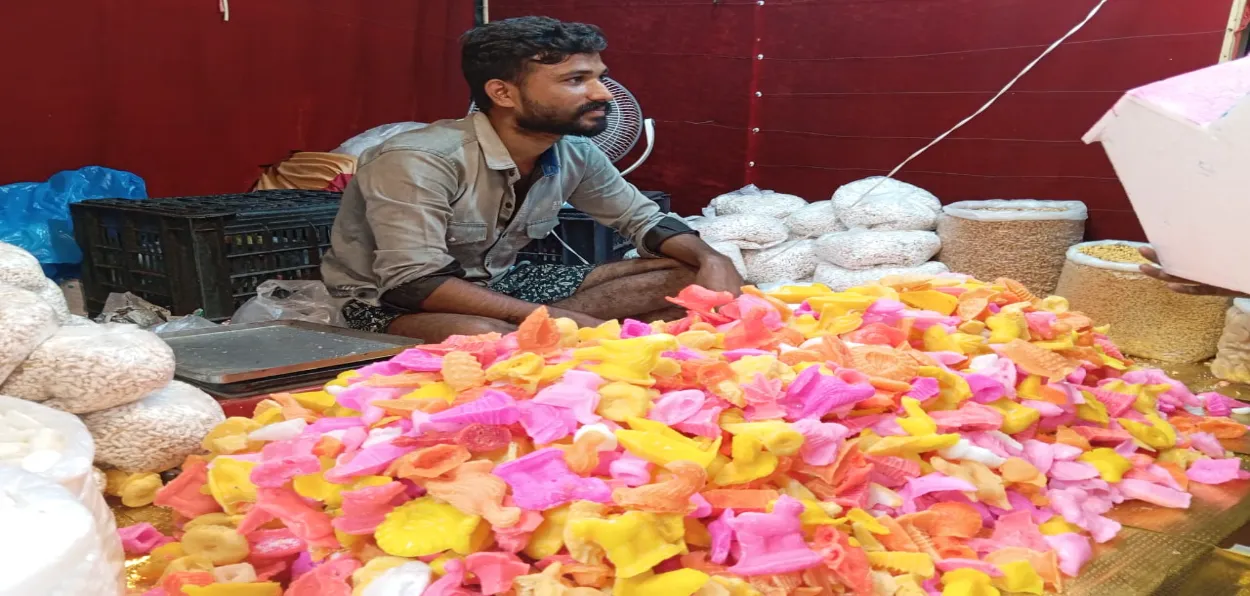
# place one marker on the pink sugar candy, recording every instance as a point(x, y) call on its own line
point(325, 425)
point(676, 406)
point(418, 360)
point(156, 592)
point(820, 440)
point(452, 582)
point(494, 407)
point(772, 543)
point(273, 544)
point(1074, 551)
point(705, 422)
point(1154, 474)
point(542, 480)
point(762, 396)
point(310, 525)
point(1018, 529)
point(1117, 403)
point(1215, 471)
point(1207, 443)
point(140, 539)
point(1217, 404)
point(1072, 470)
point(985, 389)
point(1085, 509)
point(953, 563)
point(515, 538)
point(383, 369)
point(495, 571)
point(365, 508)
point(1040, 322)
point(632, 328)
point(931, 483)
point(629, 469)
point(283, 460)
point(702, 508)
point(328, 579)
point(970, 416)
point(722, 537)
point(366, 462)
point(578, 390)
point(924, 388)
point(546, 424)
point(813, 394)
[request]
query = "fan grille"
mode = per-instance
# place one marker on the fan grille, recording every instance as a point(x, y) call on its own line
point(624, 122)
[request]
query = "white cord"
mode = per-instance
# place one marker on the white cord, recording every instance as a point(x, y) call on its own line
point(1089, 17)
point(223, 6)
point(570, 248)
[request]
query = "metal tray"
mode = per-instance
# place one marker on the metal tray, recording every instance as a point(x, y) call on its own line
point(236, 353)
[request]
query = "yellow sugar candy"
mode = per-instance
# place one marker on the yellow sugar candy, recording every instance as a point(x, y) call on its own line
point(268, 412)
point(1019, 576)
point(661, 445)
point(1057, 525)
point(699, 340)
point(436, 390)
point(797, 294)
point(231, 437)
point(840, 303)
point(568, 332)
point(548, 539)
point(899, 562)
point(777, 436)
point(248, 589)
point(1111, 465)
point(371, 570)
point(939, 302)
point(635, 541)
point(750, 462)
point(229, 481)
point(1006, 326)
point(1016, 417)
point(860, 518)
point(911, 445)
point(608, 330)
point(968, 582)
point(581, 549)
point(315, 486)
point(815, 513)
point(1109, 361)
point(1092, 410)
point(682, 582)
point(629, 360)
point(525, 370)
point(426, 526)
point(1181, 457)
point(621, 401)
point(952, 388)
point(316, 401)
point(1157, 434)
point(917, 422)
point(1066, 341)
point(1055, 304)
point(439, 566)
point(748, 368)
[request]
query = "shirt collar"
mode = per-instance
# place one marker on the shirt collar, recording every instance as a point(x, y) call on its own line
point(497, 156)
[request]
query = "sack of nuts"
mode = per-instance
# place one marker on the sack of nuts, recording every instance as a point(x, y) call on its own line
point(1024, 240)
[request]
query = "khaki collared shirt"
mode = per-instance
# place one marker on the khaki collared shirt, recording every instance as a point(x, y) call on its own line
point(428, 200)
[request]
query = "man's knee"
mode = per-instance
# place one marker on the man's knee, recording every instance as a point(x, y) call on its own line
point(484, 325)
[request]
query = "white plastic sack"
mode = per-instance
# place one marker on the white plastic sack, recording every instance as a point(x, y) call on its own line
point(754, 201)
point(734, 253)
point(1018, 210)
point(373, 137)
point(864, 249)
point(880, 203)
point(814, 220)
point(290, 300)
point(52, 546)
point(69, 465)
point(52, 294)
point(789, 261)
point(748, 232)
point(840, 279)
point(25, 322)
point(20, 268)
point(83, 369)
point(157, 432)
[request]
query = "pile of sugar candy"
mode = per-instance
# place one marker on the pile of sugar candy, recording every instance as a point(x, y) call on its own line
point(915, 436)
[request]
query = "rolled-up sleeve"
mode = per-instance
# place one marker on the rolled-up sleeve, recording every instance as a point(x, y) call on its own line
point(407, 197)
point(604, 195)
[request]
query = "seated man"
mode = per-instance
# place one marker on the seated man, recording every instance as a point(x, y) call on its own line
point(1178, 284)
point(426, 239)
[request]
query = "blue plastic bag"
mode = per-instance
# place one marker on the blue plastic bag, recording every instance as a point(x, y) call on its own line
point(35, 215)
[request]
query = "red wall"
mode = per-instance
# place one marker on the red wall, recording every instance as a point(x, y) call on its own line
point(849, 88)
point(193, 104)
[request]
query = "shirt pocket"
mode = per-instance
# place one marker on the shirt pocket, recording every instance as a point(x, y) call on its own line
point(462, 233)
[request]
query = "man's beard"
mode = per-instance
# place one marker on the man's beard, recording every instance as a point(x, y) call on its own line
point(545, 120)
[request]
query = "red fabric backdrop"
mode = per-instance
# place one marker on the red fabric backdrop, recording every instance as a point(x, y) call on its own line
point(849, 88)
point(193, 104)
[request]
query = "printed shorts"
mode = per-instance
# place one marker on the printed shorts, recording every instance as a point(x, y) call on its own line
point(539, 284)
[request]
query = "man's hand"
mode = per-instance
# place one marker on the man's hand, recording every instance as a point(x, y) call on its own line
point(1178, 284)
point(719, 275)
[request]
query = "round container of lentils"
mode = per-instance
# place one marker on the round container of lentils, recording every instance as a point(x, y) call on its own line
point(1148, 320)
point(1024, 240)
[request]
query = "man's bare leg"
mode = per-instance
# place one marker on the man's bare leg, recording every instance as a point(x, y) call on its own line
point(433, 328)
point(630, 289)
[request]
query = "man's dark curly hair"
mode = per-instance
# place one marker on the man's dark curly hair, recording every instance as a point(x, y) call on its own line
point(504, 49)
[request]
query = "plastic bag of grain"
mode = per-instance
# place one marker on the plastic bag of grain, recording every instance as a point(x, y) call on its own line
point(155, 433)
point(880, 203)
point(840, 278)
point(20, 268)
point(814, 220)
point(1102, 279)
point(1021, 239)
point(83, 369)
point(863, 249)
point(52, 546)
point(1232, 361)
point(57, 446)
point(734, 253)
point(752, 200)
point(748, 232)
point(25, 322)
point(789, 261)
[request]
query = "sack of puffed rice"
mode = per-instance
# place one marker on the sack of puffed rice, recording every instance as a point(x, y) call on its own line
point(1148, 320)
point(755, 201)
point(1021, 239)
point(790, 261)
point(747, 231)
point(155, 433)
point(1232, 362)
point(840, 279)
point(862, 249)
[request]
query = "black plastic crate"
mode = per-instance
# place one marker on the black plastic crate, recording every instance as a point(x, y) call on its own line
point(593, 241)
point(209, 252)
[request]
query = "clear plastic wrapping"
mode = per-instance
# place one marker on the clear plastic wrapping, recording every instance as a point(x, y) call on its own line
point(748, 232)
point(1232, 361)
point(25, 322)
point(839, 278)
point(864, 249)
point(790, 261)
point(157, 432)
point(880, 203)
point(754, 201)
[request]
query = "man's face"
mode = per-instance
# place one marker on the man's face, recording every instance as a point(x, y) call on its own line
point(568, 98)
